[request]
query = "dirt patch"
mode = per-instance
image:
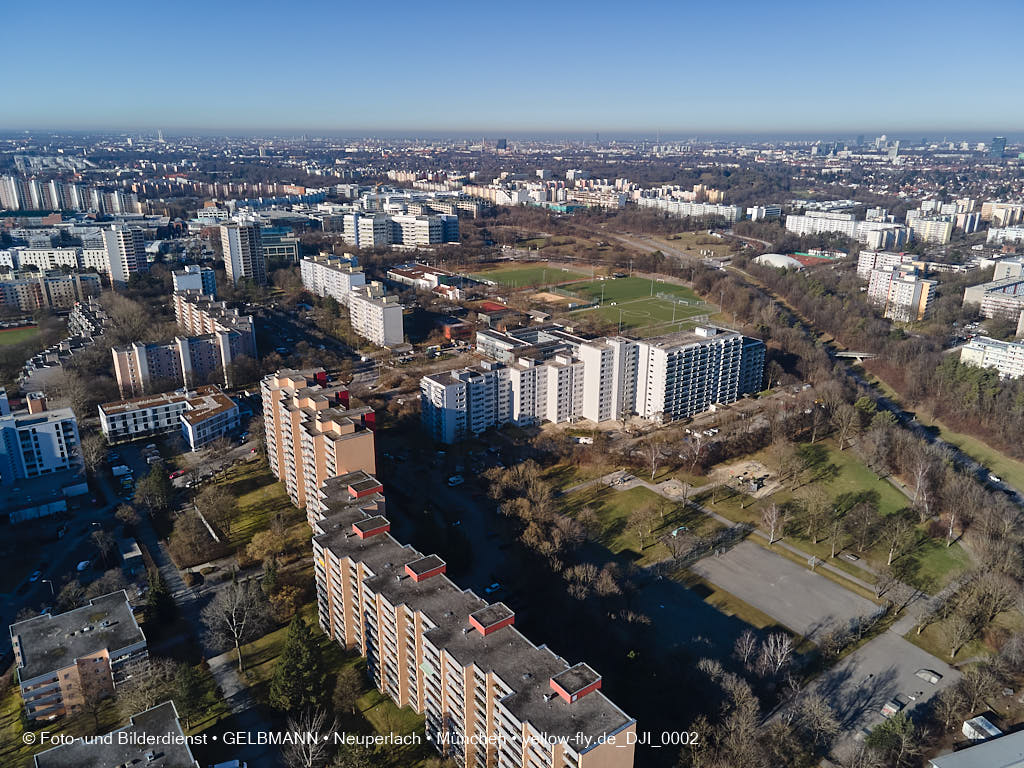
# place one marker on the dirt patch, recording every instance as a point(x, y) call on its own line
point(750, 477)
point(553, 298)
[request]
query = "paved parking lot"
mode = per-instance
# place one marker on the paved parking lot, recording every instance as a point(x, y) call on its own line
point(883, 668)
point(806, 602)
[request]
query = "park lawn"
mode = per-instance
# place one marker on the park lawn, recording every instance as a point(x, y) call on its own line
point(14, 753)
point(530, 277)
point(691, 241)
point(12, 336)
point(933, 638)
point(213, 707)
point(259, 496)
point(614, 507)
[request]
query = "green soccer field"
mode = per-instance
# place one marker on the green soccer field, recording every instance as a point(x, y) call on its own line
point(647, 317)
point(529, 277)
point(634, 304)
point(627, 288)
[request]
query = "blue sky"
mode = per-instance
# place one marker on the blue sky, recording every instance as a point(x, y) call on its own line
point(678, 67)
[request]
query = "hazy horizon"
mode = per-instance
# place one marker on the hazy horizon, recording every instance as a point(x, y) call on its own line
point(507, 70)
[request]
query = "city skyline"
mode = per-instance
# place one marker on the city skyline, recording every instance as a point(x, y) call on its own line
point(655, 69)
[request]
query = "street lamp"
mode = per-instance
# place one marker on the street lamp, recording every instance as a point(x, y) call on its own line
point(47, 581)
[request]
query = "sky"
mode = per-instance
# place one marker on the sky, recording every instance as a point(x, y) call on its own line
point(677, 67)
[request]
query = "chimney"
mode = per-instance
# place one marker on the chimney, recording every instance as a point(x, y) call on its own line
point(36, 402)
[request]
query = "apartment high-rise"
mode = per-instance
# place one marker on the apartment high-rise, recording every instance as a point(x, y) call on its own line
point(199, 313)
point(64, 659)
point(242, 248)
point(1007, 357)
point(490, 696)
point(997, 147)
point(126, 253)
point(312, 434)
point(330, 275)
point(376, 317)
point(28, 292)
point(545, 374)
point(40, 442)
point(905, 295)
point(185, 361)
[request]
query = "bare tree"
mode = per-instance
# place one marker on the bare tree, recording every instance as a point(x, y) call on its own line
point(696, 446)
point(309, 753)
point(93, 450)
point(846, 419)
point(237, 614)
point(217, 506)
point(816, 507)
point(745, 648)
point(348, 687)
point(652, 448)
point(772, 518)
point(836, 529)
point(641, 524)
point(776, 652)
point(898, 534)
point(150, 683)
point(861, 523)
point(960, 629)
point(105, 545)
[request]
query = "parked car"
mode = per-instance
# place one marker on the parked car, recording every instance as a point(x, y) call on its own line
point(84, 565)
point(928, 676)
point(492, 589)
point(455, 480)
point(176, 473)
point(35, 576)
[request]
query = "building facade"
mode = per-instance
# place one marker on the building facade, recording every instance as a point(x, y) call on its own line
point(67, 659)
point(376, 317)
point(242, 248)
point(39, 442)
point(201, 415)
point(29, 292)
point(545, 374)
point(330, 275)
point(1007, 357)
point(312, 434)
point(195, 278)
point(490, 697)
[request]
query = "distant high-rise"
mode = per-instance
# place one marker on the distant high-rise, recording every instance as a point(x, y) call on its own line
point(243, 252)
point(998, 147)
point(501, 144)
point(126, 253)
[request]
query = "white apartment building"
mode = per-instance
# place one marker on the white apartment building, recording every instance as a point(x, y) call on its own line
point(40, 442)
point(562, 380)
point(684, 209)
point(417, 230)
point(330, 275)
point(376, 317)
point(201, 415)
point(1006, 235)
point(874, 234)
point(905, 295)
point(363, 230)
point(242, 247)
point(195, 278)
point(126, 253)
point(1007, 357)
point(871, 260)
point(931, 229)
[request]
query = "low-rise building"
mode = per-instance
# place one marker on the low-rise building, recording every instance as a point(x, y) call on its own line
point(201, 415)
point(67, 659)
point(1007, 357)
point(153, 739)
point(1002, 752)
point(38, 442)
point(999, 298)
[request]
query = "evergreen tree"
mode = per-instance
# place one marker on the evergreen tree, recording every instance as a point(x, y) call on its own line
point(160, 606)
point(188, 692)
point(299, 680)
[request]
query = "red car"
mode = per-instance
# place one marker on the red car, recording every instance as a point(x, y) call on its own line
point(176, 473)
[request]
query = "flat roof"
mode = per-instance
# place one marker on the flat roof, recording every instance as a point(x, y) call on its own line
point(49, 642)
point(371, 523)
point(425, 564)
point(576, 678)
point(492, 614)
point(1002, 752)
point(160, 722)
